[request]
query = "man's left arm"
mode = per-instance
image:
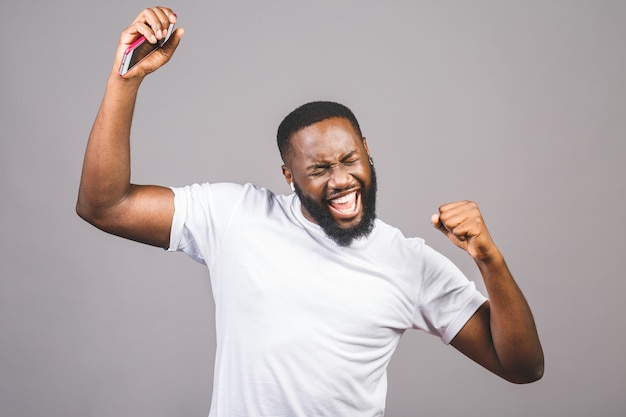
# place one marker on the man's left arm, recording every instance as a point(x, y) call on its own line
point(501, 335)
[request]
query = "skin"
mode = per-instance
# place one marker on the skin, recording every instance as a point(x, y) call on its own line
point(327, 159)
point(106, 198)
point(501, 335)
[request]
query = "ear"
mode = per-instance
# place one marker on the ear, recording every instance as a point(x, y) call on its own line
point(364, 141)
point(287, 174)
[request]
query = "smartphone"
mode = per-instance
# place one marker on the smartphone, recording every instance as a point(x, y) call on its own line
point(140, 49)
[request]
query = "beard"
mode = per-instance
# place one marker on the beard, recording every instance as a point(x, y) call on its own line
point(340, 235)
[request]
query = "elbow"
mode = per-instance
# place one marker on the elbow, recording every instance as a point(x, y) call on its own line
point(89, 213)
point(529, 377)
point(80, 211)
point(83, 211)
point(529, 374)
point(537, 372)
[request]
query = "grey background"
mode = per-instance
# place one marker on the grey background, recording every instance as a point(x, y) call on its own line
point(519, 105)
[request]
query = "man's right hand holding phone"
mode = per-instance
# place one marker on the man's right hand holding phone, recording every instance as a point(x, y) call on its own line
point(153, 24)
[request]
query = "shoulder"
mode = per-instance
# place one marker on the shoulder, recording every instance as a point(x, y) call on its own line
point(223, 191)
point(389, 246)
point(232, 197)
point(390, 242)
point(390, 236)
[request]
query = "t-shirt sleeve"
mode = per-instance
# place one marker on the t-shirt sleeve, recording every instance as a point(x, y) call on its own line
point(447, 299)
point(201, 216)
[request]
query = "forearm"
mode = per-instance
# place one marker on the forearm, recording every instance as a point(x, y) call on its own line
point(513, 331)
point(105, 178)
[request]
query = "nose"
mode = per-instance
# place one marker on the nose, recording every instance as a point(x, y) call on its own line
point(340, 178)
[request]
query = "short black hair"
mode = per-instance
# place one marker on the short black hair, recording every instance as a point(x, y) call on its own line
point(308, 114)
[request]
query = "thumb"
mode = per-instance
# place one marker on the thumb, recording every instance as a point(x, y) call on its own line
point(437, 224)
point(172, 43)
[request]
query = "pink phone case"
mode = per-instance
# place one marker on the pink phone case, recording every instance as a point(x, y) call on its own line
point(134, 45)
point(129, 51)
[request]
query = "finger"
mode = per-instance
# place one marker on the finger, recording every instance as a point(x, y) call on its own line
point(435, 220)
point(454, 214)
point(153, 23)
point(452, 205)
point(451, 220)
point(462, 232)
point(467, 223)
point(170, 46)
point(164, 17)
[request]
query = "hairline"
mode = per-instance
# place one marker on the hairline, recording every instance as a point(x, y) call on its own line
point(289, 142)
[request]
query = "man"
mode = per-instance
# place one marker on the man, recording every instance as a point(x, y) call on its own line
point(312, 291)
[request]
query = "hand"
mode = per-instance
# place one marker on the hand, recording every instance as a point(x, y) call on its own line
point(463, 223)
point(153, 24)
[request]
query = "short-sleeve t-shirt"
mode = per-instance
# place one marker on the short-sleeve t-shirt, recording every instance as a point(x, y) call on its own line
point(306, 327)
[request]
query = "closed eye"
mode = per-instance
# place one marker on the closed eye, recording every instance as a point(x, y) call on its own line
point(318, 170)
point(350, 159)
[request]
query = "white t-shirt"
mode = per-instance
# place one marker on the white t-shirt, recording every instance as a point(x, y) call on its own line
point(306, 327)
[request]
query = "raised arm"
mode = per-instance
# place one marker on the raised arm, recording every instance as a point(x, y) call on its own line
point(501, 336)
point(106, 197)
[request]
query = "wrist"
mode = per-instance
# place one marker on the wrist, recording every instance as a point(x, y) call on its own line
point(124, 81)
point(491, 257)
point(121, 87)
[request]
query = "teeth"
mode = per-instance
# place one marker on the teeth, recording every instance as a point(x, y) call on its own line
point(345, 204)
point(344, 199)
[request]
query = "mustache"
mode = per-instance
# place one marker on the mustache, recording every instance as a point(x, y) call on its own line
point(320, 212)
point(336, 191)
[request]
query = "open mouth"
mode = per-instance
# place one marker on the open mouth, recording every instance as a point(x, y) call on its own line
point(346, 206)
